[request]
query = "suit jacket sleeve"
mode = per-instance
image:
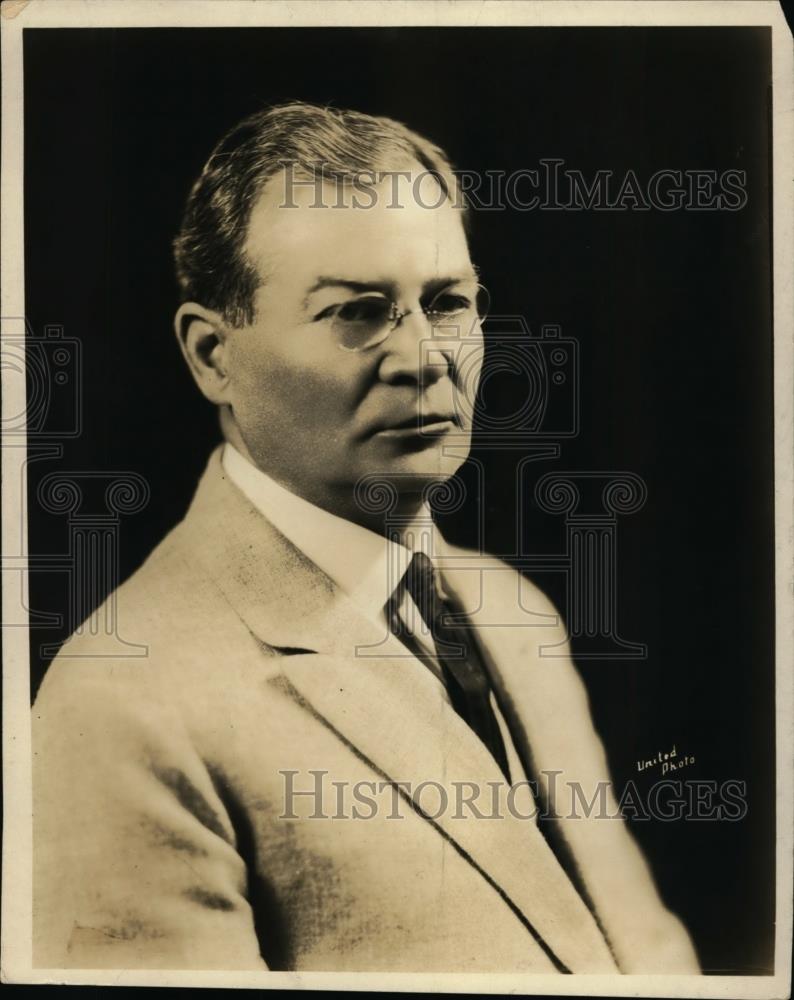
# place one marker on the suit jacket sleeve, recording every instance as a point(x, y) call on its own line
point(135, 862)
point(645, 936)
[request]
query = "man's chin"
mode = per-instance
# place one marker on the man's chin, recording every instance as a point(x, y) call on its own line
point(413, 472)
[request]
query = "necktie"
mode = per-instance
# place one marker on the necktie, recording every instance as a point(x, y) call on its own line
point(464, 674)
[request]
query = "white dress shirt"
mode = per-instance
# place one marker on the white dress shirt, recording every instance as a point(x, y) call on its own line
point(365, 565)
point(371, 567)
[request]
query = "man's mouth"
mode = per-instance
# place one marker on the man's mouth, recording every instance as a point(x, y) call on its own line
point(422, 425)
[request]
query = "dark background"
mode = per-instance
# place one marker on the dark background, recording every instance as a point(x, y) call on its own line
point(672, 312)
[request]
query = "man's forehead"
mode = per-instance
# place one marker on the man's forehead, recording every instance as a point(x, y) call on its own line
point(404, 222)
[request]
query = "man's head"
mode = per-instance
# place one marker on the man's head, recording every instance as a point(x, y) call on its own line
point(330, 303)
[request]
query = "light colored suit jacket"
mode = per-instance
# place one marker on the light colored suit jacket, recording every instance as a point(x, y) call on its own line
point(159, 783)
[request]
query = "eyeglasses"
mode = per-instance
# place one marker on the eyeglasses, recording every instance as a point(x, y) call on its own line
point(366, 321)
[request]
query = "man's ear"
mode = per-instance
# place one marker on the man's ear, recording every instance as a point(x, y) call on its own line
point(202, 337)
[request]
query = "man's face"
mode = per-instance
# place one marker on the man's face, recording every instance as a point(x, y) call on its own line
point(317, 417)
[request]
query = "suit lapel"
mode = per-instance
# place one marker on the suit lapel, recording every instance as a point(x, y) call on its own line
point(395, 715)
point(388, 706)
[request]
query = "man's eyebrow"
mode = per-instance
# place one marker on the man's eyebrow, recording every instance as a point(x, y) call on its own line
point(330, 281)
point(436, 284)
point(353, 286)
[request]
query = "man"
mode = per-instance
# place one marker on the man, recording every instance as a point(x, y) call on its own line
point(257, 793)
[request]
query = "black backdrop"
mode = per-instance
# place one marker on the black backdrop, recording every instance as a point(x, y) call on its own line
point(671, 311)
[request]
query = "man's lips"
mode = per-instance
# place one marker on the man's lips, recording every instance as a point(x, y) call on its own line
point(421, 424)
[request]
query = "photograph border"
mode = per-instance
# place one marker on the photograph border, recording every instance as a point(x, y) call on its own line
point(18, 15)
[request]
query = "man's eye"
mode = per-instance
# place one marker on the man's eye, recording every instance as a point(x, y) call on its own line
point(367, 310)
point(451, 304)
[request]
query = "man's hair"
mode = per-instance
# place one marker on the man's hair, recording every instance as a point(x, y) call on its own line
point(209, 250)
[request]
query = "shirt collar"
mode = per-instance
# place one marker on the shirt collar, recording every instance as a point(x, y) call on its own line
point(362, 563)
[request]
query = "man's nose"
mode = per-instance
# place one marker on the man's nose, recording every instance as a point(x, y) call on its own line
point(413, 354)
